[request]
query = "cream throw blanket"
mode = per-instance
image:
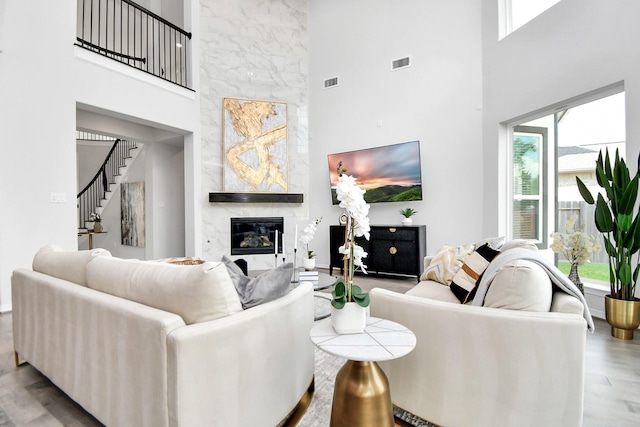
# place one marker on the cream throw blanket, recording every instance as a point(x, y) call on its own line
point(556, 276)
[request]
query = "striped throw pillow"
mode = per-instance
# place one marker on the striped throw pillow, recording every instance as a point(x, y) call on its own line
point(466, 279)
point(446, 263)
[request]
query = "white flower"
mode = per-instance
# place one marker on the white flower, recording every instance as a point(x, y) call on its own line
point(575, 245)
point(308, 234)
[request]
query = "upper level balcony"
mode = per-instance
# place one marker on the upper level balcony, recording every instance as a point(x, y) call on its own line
point(127, 32)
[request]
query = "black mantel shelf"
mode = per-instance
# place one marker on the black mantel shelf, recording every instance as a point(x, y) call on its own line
point(226, 197)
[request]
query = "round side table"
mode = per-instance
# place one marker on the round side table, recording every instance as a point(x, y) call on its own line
point(361, 395)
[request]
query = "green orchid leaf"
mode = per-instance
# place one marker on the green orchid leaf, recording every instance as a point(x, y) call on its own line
point(338, 303)
point(584, 191)
point(361, 299)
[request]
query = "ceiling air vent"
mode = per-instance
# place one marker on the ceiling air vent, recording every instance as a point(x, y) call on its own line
point(400, 63)
point(331, 82)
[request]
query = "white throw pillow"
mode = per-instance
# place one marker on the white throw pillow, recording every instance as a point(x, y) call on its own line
point(519, 243)
point(197, 293)
point(66, 265)
point(520, 285)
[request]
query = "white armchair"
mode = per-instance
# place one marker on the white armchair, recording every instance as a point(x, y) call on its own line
point(481, 366)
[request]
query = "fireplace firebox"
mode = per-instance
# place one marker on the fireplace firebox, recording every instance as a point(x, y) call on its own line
point(256, 235)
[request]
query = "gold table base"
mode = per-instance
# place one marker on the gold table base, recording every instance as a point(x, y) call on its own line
point(361, 397)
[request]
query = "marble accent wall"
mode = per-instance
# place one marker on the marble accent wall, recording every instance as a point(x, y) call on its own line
point(255, 49)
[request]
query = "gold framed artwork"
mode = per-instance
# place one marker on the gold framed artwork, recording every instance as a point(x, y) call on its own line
point(254, 140)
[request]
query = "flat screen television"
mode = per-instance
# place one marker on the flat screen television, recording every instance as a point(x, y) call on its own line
point(390, 173)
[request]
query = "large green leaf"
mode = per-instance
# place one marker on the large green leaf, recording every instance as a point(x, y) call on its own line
point(610, 248)
point(604, 180)
point(628, 197)
point(603, 218)
point(624, 273)
point(584, 191)
point(620, 173)
point(634, 244)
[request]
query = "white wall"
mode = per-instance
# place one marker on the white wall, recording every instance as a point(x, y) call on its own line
point(437, 101)
point(44, 77)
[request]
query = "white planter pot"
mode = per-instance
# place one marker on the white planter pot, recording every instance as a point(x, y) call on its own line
point(407, 221)
point(350, 319)
point(309, 263)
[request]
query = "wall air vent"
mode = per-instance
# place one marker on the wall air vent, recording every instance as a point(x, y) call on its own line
point(332, 82)
point(398, 64)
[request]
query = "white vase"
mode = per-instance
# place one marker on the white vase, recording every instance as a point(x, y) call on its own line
point(407, 221)
point(309, 263)
point(350, 319)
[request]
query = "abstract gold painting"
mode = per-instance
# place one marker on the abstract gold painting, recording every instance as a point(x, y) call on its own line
point(255, 146)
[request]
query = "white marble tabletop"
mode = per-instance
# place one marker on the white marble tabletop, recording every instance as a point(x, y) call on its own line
point(381, 340)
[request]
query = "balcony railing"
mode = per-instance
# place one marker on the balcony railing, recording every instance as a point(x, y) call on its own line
point(133, 35)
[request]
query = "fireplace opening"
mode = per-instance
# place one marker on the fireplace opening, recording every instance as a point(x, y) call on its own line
point(256, 235)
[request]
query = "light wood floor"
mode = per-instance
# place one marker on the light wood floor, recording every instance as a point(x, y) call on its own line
point(612, 389)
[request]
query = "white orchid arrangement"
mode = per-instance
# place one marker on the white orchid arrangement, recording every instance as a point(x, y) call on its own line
point(574, 244)
point(308, 234)
point(356, 221)
point(94, 217)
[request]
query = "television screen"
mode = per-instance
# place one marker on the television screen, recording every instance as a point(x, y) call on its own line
point(389, 174)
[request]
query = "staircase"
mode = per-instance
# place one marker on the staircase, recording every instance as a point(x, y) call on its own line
point(95, 195)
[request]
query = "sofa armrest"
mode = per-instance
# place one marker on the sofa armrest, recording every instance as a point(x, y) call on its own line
point(107, 353)
point(250, 368)
point(496, 364)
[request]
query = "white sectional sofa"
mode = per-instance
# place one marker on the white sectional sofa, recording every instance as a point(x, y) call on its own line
point(140, 343)
point(517, 363)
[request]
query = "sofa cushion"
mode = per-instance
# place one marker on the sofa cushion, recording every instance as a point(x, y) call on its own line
point(66, 265)
point(446, 263)
point(465, 281)
point(433, 290)
point(520, 285)
point(197, 293)
point(268, 286)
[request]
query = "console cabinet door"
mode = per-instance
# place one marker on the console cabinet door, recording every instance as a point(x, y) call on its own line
point(391, 249)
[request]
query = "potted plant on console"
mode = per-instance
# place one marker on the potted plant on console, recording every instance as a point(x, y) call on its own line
point(407, 213)
point(309, 232)
point(97, 222)
point(349, 303)
point(620, 227)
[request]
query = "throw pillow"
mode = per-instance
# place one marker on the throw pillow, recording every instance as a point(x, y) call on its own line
point(446, 263)
point(494, 242)
point(520, 285)
point(66, 265)
point(268, 286)
point(465, 281)
point(519, 243)
point(197, 293)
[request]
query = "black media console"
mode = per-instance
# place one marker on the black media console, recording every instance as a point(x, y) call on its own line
point(392, 249)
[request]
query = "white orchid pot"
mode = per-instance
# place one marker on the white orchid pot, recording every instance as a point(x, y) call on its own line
point(350, 319)
point(309, 263)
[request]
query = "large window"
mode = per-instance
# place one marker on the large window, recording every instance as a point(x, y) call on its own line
point(547, 153)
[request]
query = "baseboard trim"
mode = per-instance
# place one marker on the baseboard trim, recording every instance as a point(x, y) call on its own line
point(6, 308)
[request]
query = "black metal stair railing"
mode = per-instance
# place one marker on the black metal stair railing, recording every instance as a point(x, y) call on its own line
point(127, 32)
point(92, 196)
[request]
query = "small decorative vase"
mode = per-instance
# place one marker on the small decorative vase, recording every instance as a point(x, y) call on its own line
point(97, 227)
point(309, 264)
point(350, 319)
point(407, 221)
point(573, 276)
point(623, 316)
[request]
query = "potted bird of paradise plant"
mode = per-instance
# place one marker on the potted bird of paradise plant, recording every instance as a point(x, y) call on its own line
point(617, 219)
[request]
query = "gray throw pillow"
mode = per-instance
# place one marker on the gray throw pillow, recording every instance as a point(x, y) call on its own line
point(268, 286)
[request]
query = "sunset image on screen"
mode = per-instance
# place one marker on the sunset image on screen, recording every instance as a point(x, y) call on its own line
point(389, 174)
